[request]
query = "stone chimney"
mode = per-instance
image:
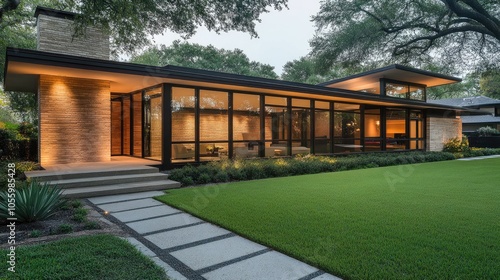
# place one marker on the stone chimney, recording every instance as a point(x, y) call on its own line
point(55, 34)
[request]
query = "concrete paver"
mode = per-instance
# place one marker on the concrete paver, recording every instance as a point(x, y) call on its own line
point(326, 277)
point(187, 235)
point(216, 252)
point(271, 265)
point(145, 213)
point(127, 205)
point(160, 223)
point(121, 197)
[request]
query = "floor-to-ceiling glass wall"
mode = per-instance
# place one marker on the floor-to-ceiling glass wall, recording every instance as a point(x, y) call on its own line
point(347, 128)
point(322, 128)
point(301, 126)
point(417, 136)
point(137, 124)
point(152, 129)
point(213, 128)
point(397, 137)
point(372, 129)
point(246, 125)
point(116, 126)
point(183, 124)
point(277, 126)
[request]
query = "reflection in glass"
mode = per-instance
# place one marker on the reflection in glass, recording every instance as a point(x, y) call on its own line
point(396, 90)
point(213, 116)
point(246, 125)
point(397, 139)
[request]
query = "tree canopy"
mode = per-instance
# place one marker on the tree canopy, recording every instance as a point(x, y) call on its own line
point(461, 33)
point(204, 57)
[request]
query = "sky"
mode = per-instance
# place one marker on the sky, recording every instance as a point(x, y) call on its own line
point(283, 35)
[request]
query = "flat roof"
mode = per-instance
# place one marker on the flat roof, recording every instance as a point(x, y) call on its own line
point(23, 67)
point(371, 79)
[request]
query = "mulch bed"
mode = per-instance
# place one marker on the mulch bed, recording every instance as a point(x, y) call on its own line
point(48, 230)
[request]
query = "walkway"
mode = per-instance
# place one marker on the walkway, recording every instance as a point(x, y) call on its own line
point(479, 158)
point(190, 248)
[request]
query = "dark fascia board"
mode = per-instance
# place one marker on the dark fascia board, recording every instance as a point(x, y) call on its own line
point(184, 73)
point(391, 67)
point(54, 13)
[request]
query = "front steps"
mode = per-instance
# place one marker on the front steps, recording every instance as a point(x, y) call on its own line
point(86, 182)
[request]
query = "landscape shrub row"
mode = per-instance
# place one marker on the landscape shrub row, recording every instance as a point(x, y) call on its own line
point(245, 169)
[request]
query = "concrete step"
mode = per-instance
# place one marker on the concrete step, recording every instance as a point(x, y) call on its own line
point(94, 191)
point(44, 176)
point(108, 180)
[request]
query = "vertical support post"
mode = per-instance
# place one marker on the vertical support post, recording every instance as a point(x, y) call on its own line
point(262, 142)
point(197, 125)
point(166, 128)
point(230, 124)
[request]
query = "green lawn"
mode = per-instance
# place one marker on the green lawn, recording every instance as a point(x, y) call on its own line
point(91, 257)
point(436, 220)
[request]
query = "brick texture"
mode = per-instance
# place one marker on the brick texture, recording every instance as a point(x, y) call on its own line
point(440, 130)
point(56, 35)
point(75, 120)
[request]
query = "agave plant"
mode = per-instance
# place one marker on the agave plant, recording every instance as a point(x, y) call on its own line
point(34, 201)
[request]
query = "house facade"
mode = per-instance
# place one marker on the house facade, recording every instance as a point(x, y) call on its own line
point(92, 108)
point(480, 111)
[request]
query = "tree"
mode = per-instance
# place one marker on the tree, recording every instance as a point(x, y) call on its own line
point(490, 83)
point(133, 23)
point(204, 57)
point(460, 33)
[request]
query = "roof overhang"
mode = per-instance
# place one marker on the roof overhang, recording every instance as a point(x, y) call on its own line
point(396, 72)
point(23, 67)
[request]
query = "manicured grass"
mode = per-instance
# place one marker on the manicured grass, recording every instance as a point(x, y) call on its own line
point(423, 221)
point(90, 257)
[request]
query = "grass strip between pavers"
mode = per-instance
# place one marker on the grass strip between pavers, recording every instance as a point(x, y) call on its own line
point(89, 257)
point(423, 221)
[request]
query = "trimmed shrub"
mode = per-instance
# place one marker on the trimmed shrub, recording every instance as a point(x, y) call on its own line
point(456, 145)
point(34, 201)
point(487, 131)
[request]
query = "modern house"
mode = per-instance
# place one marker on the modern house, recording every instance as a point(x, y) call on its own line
point(481, 111)
point(92, 108)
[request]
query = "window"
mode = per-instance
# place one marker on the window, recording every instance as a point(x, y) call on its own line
point(397, 138)
point(322, 126)
point(405, 90)
point(277, 126)
point(246, 125)
point(373, 138)
point(396, 90)
point(347, 128)
point(183, 124)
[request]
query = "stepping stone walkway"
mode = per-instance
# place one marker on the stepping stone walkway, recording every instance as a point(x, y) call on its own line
point(190, 248)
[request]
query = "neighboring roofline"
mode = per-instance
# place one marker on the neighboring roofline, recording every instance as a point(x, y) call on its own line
point(54, 13)
point(391, 67)
point(185, 73)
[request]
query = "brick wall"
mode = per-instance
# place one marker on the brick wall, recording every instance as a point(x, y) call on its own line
point(440, 130)
point(56, 35)
point(75, 120)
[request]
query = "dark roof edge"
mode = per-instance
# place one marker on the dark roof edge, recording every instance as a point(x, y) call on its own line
point(178, 72)
point(390, 67)
point(54, 13)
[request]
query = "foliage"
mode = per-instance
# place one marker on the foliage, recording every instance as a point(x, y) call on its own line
point(35, 233)
point(80, 215)
point(490, 83)
point(205, 57)
point(21, 168)
point(487, 131)
point(420, 221)
point(456, 145)
point(92, 257)
point(65, 228)
point(241, 169)
point(34, 201)
point(92, 225)
point(457, 33)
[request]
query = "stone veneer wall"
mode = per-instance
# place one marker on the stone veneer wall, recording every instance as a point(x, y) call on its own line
point(55, 34)
point(75, 120)
point(441, 129)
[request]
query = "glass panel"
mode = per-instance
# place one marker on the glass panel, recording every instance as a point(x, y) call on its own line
point(182, 152)
point(322, 105)
point(347, 145)
point(396, 130)
point(416, 124)
point(213, 116)
point(116, 127)
point(301, 131)
point(246, 117)
point(137, 113)
point(153, 124)
point(276, 150)
point(372, 123)
point(396, 90)
point(183, 125)
point(417, 93)
point(272, 100)
point(345, 107)
point(126, 126)
point(347, 132)
point(276, 131)
point(304, 103)
point(322, 132)
point(213, 151)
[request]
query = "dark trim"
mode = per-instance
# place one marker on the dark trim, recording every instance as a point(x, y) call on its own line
point(143, 123)
point(289, 124)
point(230, 128)
point(262, 142)
point(121, 124)
point(196, 124)
point(383, 128)
point(391, 67)
point(131, 125)
point(166, 154)
point(184, 73)
point(332, 130)
point(312, 127)
point(362, 127)
point(54, 13)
